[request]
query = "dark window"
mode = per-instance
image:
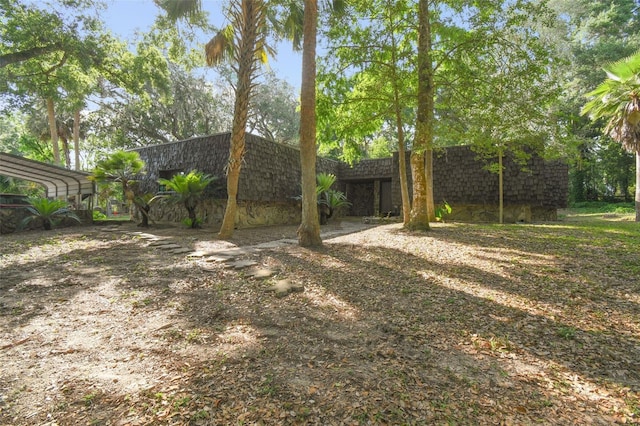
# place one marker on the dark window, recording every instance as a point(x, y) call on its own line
point(167, 174)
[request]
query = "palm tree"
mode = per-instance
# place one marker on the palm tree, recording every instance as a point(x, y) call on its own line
point(188, 191)
point(243, 42)
point(49, 211)
point(124, 167)
point(309, 229)
point(617, 100)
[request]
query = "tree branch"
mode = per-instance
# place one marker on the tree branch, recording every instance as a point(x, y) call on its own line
point(12, 58)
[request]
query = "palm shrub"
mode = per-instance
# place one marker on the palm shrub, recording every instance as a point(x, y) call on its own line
point(188, 190)
point(49, 211)
point(124, 167)
point(329, 199)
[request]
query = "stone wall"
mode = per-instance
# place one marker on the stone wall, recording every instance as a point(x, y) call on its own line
point(367, 169)
point(270, 171)
point(459, 177)
point(211, 211)
point(270, 182)
point(268, 187)
point(11, 220)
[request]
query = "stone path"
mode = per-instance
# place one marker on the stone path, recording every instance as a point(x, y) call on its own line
point(231, 257)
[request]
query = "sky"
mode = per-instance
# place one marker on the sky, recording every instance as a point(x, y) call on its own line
point(125, 17)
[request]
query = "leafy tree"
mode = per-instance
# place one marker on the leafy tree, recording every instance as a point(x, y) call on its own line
point(274, 112)
point(379, 98)
point(188, 109)
point(617, 166)
point(505, 98)
point(42, 53)
point(587, 34)
point(617, 101)
point(377, 47)
point(49, 211)
point(188, 191)
point(63, 78)
point(30, 33)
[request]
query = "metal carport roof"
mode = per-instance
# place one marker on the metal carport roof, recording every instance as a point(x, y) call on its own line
point(57, 180)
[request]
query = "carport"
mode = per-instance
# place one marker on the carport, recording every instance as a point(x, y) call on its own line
point(58, 181)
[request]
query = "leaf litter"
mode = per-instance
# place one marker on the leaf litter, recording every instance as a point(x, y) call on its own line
point(465, 324)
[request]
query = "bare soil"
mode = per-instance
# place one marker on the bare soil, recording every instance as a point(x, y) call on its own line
point(465, 324)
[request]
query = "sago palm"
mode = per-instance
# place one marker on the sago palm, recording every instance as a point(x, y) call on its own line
point(49, 211)
point(188, 191)
point(617, 101)
point(124, 167)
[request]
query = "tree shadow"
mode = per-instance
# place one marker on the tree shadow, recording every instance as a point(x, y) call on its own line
point(379, 335)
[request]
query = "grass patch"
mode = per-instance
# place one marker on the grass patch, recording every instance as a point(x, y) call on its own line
point(591, 207)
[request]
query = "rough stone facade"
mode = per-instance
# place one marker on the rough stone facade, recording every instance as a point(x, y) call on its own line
point(270, 182)
point(532, 192)
point(11, 220)
point(270, 171)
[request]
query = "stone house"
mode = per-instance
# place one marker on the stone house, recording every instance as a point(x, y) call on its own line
point(270, 176)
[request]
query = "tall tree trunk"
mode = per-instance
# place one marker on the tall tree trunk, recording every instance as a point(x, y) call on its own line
point(53, 130)
point(501, 187)
point(402, 157)
point(309, 229)
point(428, 170)
point(76, 138)
point(402, 170)
point(246, 68)
point(66, 151)
point(638, 185)
point(419, 218)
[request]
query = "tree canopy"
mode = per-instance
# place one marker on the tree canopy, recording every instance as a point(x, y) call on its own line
point(503, 76)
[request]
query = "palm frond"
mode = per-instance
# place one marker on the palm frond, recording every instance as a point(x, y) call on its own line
point(617, 100)
point(219, 47)
point(180, 9)
point(624, 69)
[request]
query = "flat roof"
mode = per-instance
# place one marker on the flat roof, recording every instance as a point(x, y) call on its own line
point(57, 180)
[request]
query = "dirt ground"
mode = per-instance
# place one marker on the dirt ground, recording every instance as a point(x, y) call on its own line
point(466, 324)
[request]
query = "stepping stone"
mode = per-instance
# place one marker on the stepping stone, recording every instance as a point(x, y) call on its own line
point(261, 273)
point(236, 251)
point(181, 250)
point(218, 258)
point(151, 237)
point(143, 235)
point(109, 229)
point(158, 243)
point(209, 267)
point(276, 243)
point(198, 254)
point(283, 288)
point(169, 246)
point(239, 264)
